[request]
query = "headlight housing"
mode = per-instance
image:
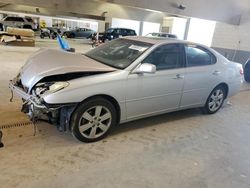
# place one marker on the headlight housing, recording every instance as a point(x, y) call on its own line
point(49, 87)
point(57, 86)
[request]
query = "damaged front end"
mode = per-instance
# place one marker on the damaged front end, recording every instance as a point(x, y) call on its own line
point(37, 109)
point(33, 99)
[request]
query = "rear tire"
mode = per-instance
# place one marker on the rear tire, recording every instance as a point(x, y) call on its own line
point(93, 120)
point(247, 75)
point(215, 100)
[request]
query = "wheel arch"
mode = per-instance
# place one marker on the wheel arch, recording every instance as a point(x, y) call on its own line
point(108, 98)
point(225, 86)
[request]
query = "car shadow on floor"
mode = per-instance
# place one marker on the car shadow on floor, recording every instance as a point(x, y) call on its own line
point(156, 120)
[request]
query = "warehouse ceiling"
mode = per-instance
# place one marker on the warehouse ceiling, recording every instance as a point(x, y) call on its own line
point(228, 11)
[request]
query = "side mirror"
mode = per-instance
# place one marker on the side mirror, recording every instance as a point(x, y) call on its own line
point(146, 68)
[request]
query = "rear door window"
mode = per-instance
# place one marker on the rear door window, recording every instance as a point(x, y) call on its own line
point(199, 56)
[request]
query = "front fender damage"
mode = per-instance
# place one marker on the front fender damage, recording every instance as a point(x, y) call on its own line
point(56, 114)
point(37, 109)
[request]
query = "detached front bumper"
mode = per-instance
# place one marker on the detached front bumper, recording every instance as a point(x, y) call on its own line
point(36, 108)
point(25, 96)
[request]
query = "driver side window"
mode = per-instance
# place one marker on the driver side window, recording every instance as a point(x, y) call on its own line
point(169, 56)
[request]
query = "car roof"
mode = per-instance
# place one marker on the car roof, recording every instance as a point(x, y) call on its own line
point(120, 28)
point(162, 33)
point(164, 40)
point(157, 40)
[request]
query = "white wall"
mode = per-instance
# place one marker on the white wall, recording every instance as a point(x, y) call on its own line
point(233, 41)
point(150, 27)
point(176, 26)
point(201, 31)
point(47, 20)
point(233, 36)
point(226, 36)
point(124, 23)
point(167, 24)
point(179, 27)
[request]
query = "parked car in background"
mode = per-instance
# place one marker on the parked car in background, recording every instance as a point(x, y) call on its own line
point(113, 33)
point(17, 22)
point(123, 80)
point(247, 70)
point(79, 33)
point(165, 35)
point(50, 32)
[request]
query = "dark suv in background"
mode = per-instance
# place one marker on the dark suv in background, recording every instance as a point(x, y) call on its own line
point(113, 33)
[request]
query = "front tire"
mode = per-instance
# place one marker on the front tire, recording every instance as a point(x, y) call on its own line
point(93, 120)
point(215, 100)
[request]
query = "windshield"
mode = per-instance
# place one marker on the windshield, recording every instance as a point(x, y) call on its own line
point(119, 53)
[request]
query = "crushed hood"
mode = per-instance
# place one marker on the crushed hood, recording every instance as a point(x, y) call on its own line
point(48, 62)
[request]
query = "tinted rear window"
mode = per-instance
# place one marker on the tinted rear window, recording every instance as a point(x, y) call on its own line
point(199, 56)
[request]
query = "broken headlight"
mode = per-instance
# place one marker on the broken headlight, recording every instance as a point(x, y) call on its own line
point(48, 88)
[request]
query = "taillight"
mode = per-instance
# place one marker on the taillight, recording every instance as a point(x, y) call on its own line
point(241, 71)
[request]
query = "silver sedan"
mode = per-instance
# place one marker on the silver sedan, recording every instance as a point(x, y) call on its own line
point(123, 80)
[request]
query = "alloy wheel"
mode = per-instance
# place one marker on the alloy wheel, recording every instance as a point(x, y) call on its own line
point(216, 100)
point(95, 122)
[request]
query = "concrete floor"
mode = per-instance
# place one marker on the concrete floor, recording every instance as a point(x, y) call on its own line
point(184, 149)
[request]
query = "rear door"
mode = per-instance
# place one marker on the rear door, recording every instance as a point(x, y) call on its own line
point(202, 75)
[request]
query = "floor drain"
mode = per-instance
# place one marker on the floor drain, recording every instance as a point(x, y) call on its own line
point(17, 124)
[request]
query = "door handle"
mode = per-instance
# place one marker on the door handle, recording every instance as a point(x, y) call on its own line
point(216, 73)
point(178, 76)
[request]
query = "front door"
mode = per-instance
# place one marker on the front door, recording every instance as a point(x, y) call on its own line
point(149, 94)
